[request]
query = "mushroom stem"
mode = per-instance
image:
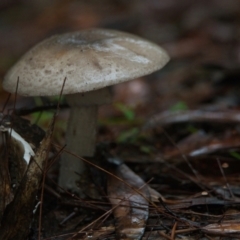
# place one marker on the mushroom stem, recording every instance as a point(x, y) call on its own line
point(80, 136)
point(81, 131)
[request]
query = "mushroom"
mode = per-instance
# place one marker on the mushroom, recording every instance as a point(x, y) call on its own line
point(91, 61)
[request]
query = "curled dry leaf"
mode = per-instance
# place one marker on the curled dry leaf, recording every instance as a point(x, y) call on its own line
point(129, 200)
point(223, 228)
point(168, 117)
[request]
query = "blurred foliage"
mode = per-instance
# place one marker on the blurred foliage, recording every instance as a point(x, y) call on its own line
point(179, 106)
point(129, 136)
point(235, 154)
point(128, 113)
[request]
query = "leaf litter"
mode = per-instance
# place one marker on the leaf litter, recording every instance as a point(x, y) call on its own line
point(195, 172)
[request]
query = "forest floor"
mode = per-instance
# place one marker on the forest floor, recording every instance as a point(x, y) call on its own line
point(175, 131)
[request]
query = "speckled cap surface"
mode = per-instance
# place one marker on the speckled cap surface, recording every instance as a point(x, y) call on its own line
point(89, 60)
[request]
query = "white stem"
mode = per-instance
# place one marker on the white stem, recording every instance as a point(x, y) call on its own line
point(81, 136)
point(81, 131)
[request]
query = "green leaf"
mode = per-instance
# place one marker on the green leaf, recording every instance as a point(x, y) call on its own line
point(128, 136)
point(146, 149)
point(127, 111)
point(235, 154)
point(179, 106)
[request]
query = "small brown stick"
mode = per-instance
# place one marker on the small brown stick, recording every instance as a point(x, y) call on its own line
point(164, 235)
point(15, 96)
point(173, 232)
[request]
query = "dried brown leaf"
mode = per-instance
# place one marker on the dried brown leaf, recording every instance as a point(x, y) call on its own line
point(129, 199)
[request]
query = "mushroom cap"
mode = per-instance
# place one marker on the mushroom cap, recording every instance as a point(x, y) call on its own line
point(89, 60)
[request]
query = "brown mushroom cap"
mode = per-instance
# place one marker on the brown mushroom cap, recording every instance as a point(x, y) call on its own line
point(89, 59)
